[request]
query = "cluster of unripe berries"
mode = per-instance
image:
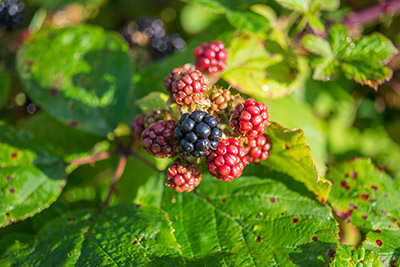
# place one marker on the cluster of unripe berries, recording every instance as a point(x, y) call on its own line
point(227, 131)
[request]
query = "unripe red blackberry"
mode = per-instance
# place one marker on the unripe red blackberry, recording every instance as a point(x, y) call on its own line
point(220, 99)
point(154, 116)
point(158, 139)
point(250, 118)
point(183, 176)
point(211, 57)
point(258, 148)
point(175, 73)
point(189, 87)
point(138, 125)
point(227, 161)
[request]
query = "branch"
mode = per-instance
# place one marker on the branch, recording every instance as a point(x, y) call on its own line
point(118, 173)
point(371, 14)
point(91, 159)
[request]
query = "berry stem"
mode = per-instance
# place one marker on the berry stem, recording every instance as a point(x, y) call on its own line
point(91, 159)
point(370, 14)
point(145, 161)
point(118, 173)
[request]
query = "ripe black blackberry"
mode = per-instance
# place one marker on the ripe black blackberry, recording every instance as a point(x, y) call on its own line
point(11, 14)
point(197, 133)
point(151, 33)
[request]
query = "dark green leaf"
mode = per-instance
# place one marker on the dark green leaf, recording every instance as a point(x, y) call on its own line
point(385, 243)
point(117, 236)
point(57, 138)
point(364, 195)
point(83, 79)
point(291, 155)
point(248, 222)
point(5, 86)
point(30, 180)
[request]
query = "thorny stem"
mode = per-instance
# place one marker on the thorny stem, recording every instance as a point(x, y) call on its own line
point(118, 173)
point(369, 15)
point(91, 159)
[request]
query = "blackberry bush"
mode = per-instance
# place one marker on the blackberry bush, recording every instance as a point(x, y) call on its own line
point(154, 200)
point(183, 176)
point(197, 134)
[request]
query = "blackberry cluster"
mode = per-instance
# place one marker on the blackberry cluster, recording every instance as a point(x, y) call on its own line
point(211, 57)
point(258, 148)
point(151, 34)
point(183, 176)
point(197, 133)
point(12, 14)
point(227, 161)
point(158, 139)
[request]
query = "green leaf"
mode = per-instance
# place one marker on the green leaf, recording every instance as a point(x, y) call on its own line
point(262, 68)
point(317, 45)
point(329, 5)
point(385, 243)
point(117, 236)
point(5, 86)
point(362, 60)
point(83, 79)
point(346, 256)
point(30, 179)
point(316, 23)
point(298, 5)
point(248, 222)
point(247, 20)
point(364, 195)
point(291, 155)
point(57, 138)
point(154, 100)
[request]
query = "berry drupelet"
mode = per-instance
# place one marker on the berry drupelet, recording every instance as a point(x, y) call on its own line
point(211, 57)
point(258, 148)
point(11, 14)
point(158, 139)
point(227, 161)
point(183, 176)
point(220, 99)
point(250, 118)
point(197, 133)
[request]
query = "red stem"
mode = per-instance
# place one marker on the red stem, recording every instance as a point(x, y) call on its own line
point(118, 173)
point(91, 159)
point(371, 14)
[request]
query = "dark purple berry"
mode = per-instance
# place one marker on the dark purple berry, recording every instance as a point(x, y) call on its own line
point(203, 130)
